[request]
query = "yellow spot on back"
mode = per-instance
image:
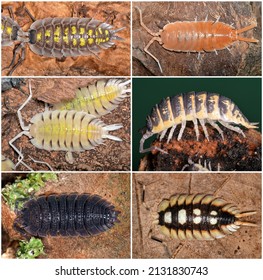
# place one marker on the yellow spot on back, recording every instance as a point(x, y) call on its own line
point(74, 42)
point(9, 30)
point(73, 30)
point(48, 33)
point(90, 41)
point(82, 42)
point(90, 32)
point(39, 36)
point(81, 30)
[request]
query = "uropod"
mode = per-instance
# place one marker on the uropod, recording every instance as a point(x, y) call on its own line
point(63, 130)
point(193, 106)
point(195, 36)
point(58, 37)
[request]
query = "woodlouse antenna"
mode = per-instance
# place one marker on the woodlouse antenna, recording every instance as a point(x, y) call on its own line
point(156, 37)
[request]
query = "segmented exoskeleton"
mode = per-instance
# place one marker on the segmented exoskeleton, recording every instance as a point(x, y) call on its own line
point(196, 36)
point(199, 216)
point(58, 37)
point(98, 99)
point(66, 215)
point(65, 130)
point(193, 106)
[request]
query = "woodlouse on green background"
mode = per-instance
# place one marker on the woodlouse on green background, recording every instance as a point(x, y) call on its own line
point(59, 35)
point(193, 106)
point(58, 120)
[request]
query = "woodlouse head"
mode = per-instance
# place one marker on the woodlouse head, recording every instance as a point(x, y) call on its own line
point(232, 114)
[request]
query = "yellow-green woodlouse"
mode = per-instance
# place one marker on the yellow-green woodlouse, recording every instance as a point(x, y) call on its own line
point(99, 98)
point(63, 130)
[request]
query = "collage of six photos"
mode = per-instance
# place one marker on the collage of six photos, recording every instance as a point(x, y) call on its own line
point(131, 130)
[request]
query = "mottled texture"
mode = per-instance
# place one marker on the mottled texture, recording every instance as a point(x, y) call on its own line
point(244, 59)
point(234, 153)
point(107, 62)
point(244, 190)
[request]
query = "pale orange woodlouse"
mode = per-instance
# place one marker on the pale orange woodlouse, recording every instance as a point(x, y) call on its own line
point(195, 36)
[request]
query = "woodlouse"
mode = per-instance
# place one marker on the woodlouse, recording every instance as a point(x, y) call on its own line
point(193, 106)
point(199, 216)
point(66, 215)
point(195, 36)
point(58, 37)
point(65, 130)
point(98, 99)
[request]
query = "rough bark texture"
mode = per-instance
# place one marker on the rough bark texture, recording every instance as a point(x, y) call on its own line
point(244, 59)
point(244, 190)
point(234, 153)
point(114, 243)
point(111, 156)
point(108, 61)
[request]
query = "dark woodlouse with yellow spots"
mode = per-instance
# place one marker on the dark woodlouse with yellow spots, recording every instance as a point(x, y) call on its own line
point(58, 37)
point(193, 106)
point(66, 215)
point(199, 216)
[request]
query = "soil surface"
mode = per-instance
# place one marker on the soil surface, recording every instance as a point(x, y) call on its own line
point(234, 153)
point(112, 155)
point(243, 190)
point(114, 243)
point(242, 58)
point(105, 63)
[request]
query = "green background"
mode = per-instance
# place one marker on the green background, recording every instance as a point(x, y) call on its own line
point(245, 92)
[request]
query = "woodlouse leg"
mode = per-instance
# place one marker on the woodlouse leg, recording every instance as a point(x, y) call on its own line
point(41, 162)
point(163, 134)
point(145, 137)
point(216, 126)
point(196, 129)
point(146, 50)
point(69, 158)
point(234, 128)
point(181, 130)
point(171, 133)
point(22, 124)
point(202, 122)
point(20, 155)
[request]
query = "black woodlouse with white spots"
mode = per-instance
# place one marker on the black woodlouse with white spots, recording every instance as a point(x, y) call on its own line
point(66, 215)
point(199, 216)
point(58, 37)
point(193, 106)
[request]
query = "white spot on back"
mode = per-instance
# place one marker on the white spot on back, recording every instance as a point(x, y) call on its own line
point(213, 213)
point(197, 220)
point(168, 217)
point(213, 221)
point(182, 216)
point(197, 212)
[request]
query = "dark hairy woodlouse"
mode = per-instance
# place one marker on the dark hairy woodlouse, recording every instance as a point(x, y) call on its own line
point(199, 216)
point(193, 106)
point(58, 37)
point(195, 36)
point(66, 215)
